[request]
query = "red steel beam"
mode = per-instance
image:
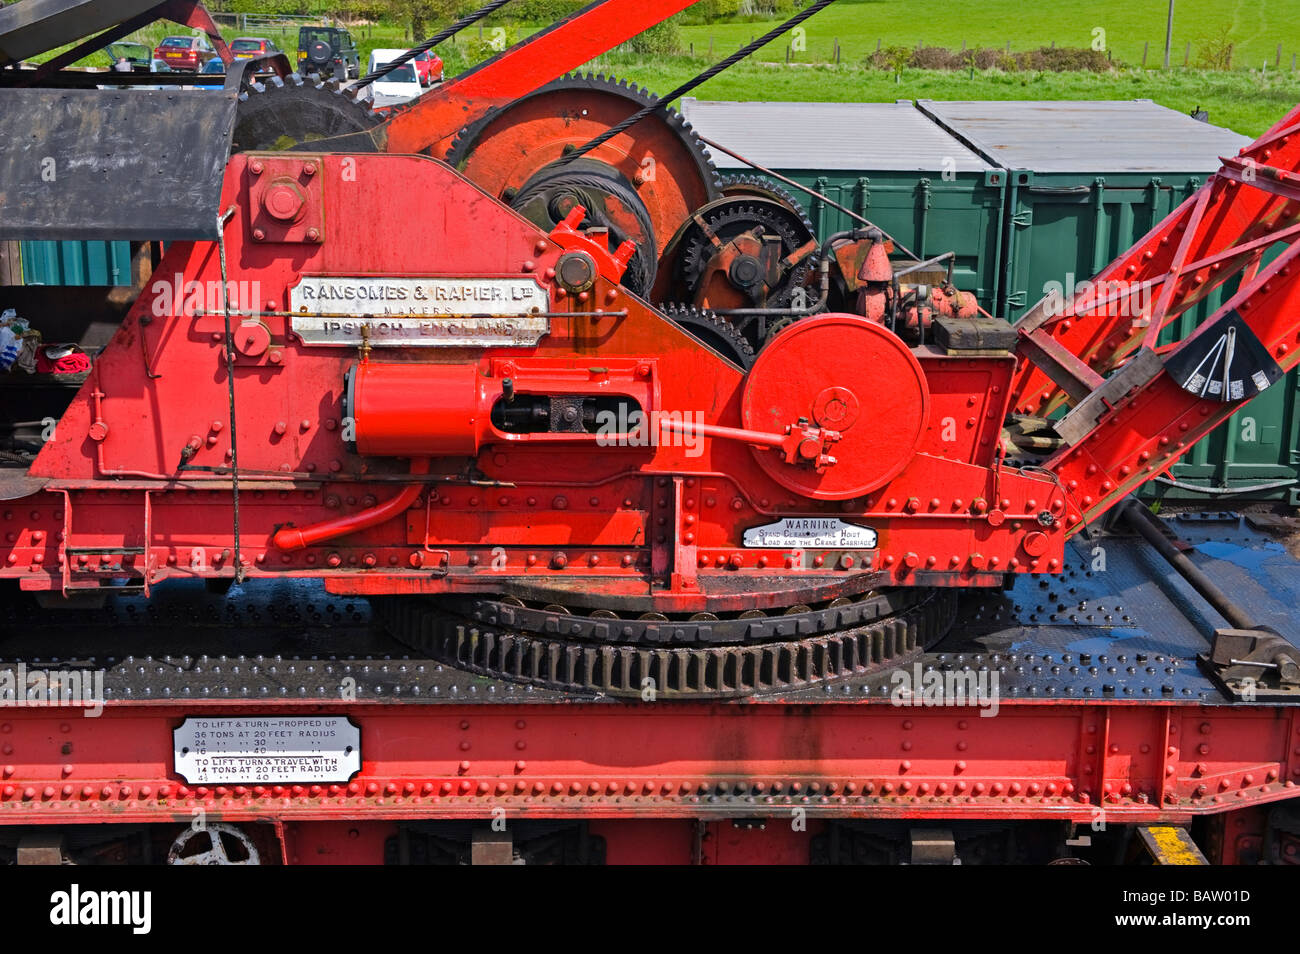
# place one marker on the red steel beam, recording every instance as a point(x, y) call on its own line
point(1050, 760)
point(1218, 224)
point(1144, 434)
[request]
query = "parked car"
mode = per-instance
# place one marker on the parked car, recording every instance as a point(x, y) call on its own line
point(429, 65)
point(325, 50)
point(400, 85)
point(254, 47)
point(126, 57)
point(151, 66)
point(249, 47)
point(159, 66)
point(187, 53)
point(213, 67)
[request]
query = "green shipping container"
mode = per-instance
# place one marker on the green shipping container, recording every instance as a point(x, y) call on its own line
point(1085, 181)
point(886, 162)
point(76, 263)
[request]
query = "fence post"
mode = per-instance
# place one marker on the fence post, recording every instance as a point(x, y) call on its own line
point(1169, 32)
point(1187, 53)
point(1146, 48)
point(1278, 61)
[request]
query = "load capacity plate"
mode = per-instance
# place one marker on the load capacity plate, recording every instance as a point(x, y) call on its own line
point(252, 749)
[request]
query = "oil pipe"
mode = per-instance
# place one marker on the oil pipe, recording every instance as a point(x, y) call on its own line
point(295, 538)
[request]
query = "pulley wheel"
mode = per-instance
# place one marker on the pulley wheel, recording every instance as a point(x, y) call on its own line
point(847, 374)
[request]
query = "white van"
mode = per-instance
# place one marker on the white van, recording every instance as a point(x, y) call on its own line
point(400, 85)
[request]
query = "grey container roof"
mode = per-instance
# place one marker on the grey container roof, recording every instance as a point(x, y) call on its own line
point(1086, 137)
point(830, 136)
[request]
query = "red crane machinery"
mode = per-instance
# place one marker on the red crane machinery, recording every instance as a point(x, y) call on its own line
point(514, 363)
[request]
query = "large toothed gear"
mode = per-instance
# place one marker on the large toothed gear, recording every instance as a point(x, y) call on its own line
point(753, 185)
point(661, 156)
point(282, 114)
point(691, 260)
point(715, 332)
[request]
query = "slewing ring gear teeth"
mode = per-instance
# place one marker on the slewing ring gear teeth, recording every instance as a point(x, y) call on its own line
point(711, 672)
point(602, 625)
point(278, 114)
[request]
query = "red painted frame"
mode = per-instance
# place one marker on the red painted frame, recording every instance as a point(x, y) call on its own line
point(1058, 760)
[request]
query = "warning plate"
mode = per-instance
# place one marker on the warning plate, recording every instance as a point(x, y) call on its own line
point(812, 533)
point(274, 749)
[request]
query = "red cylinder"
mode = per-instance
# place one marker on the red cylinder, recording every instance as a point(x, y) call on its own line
point(419, 410)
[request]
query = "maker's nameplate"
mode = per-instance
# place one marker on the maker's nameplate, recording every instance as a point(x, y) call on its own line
point(419, 312)
point(243, 749)
point(811, 533)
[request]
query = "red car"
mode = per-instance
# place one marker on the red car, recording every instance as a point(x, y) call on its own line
point(428, 66)
point(253, 47)
point(185, 52)
point(249, 47)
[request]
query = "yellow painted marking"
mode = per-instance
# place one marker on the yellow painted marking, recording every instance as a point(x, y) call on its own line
point(1173, 846)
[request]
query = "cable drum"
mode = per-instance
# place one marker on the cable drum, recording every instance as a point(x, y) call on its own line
point(611, 202)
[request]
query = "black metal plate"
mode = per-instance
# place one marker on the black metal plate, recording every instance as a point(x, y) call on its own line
point(112, 164)
point(38, 26)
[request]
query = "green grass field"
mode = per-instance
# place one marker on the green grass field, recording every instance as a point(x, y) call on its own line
point(1243, 101)
point(1248, 100)
point(1256, 27)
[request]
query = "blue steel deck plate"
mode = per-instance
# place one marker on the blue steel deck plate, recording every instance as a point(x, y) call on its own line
point(1127, 633)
